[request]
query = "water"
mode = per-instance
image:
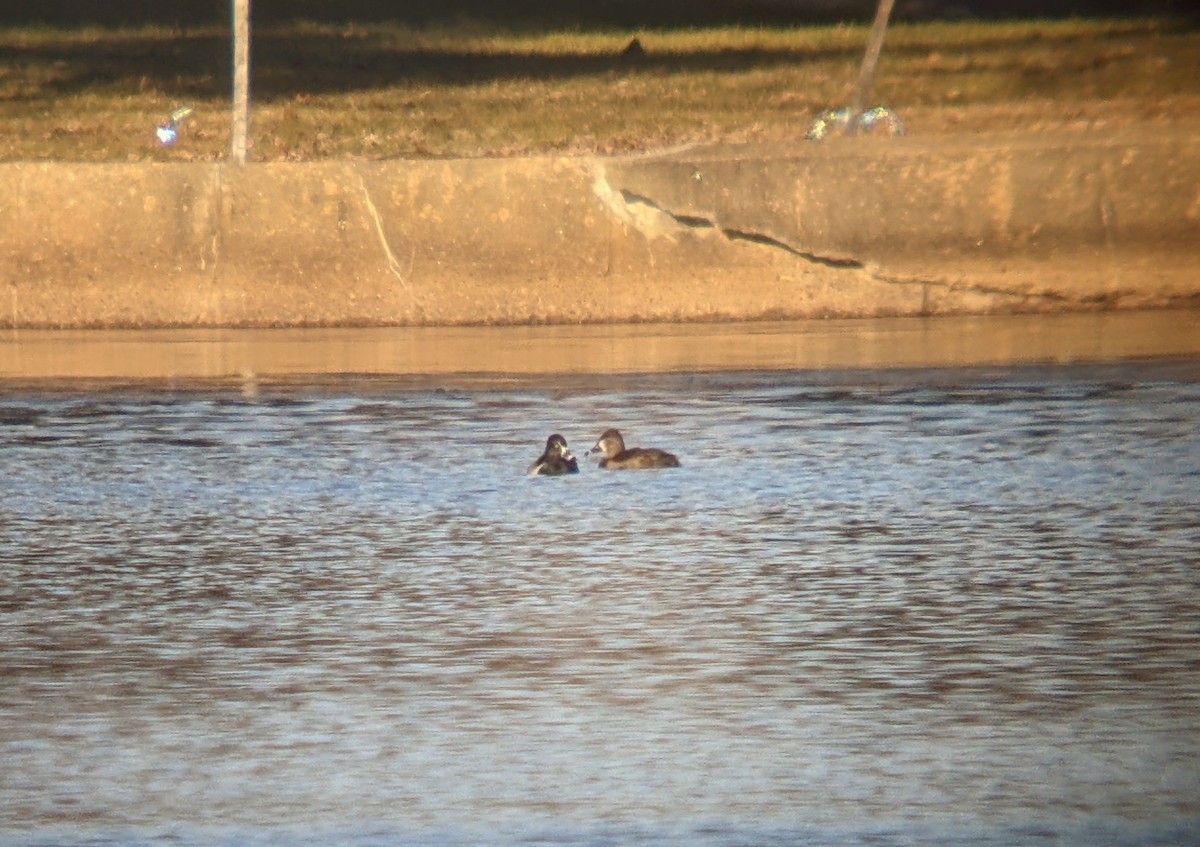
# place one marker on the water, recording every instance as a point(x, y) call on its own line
point(906, 607)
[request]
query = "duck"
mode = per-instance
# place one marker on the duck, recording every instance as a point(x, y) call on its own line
point(618, 457)
point(556, 459)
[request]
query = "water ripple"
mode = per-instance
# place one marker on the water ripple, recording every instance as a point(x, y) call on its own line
point(934, 608)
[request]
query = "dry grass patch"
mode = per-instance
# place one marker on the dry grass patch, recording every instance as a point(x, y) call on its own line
point(391, 91)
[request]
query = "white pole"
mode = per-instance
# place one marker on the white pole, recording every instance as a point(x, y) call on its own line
point(241, 78)
point(866, 76)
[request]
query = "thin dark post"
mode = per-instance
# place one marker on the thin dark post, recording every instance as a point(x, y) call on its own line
point(241, 79)
point(866, 76)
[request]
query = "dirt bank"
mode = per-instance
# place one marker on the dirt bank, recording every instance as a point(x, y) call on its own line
point(875, 227)
point(509, 355)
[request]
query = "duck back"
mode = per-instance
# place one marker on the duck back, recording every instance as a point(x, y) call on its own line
point(554, 466)
point(641, 457)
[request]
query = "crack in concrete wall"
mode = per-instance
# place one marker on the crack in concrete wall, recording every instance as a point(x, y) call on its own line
point(631, 201)
point(762, 239)
point(393, 265)
point(971, 288)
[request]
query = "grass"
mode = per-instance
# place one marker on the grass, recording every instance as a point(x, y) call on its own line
point(387, 90)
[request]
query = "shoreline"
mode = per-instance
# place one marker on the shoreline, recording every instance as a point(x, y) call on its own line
point(505, 355)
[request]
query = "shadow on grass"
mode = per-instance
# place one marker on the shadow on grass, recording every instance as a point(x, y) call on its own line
point(287, 63)
point(558, 14)
point(521, 14)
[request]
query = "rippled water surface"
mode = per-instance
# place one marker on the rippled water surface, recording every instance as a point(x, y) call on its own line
point(937, 607)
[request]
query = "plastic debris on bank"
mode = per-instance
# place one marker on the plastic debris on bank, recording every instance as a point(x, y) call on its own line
point(168, 131)
point(835, 121)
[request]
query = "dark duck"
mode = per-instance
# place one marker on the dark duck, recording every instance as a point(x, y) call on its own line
point(557, 459)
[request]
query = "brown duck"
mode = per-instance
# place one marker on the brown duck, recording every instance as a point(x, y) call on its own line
point(618, 457)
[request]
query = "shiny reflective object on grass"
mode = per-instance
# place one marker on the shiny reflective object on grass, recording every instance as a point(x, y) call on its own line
point(877, 119)
point(167, 132)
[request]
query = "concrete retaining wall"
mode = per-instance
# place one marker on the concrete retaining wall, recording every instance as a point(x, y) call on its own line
point(865, 228)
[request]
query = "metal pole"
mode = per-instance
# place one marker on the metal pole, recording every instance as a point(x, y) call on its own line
point(241, 79)
point(866, 76)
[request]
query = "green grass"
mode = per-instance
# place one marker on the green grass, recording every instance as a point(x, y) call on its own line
point(386, 90)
